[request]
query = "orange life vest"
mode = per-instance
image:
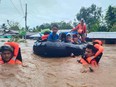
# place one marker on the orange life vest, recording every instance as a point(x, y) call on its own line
point(44, 37)
point(88, 61)
point(80, 31)
point(15, 46)
point(80, 28)
point(100, 49)
point(11, 61)
point(98, 41)
point(85, 61)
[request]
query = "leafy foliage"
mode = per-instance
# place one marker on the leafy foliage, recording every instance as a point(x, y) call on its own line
point(111, 18)
point(62, 25)
point(14, 25)
point(113, 29)
point(91, 15)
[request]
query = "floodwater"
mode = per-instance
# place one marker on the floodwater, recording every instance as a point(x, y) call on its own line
point(58, 72)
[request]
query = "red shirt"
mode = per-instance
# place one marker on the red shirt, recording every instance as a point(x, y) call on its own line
point(44, 37)
point(81, 27)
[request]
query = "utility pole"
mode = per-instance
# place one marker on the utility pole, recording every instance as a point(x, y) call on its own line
point(25, 19)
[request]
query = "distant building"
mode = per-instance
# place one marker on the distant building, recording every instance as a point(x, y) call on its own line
point(106, 37)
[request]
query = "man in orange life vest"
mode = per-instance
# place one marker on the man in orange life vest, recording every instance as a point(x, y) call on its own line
point(94, 60)
point(10, 53)
point(81, 30)
point(86, 59)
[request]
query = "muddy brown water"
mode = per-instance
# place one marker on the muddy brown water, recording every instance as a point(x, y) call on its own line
point(58, 72)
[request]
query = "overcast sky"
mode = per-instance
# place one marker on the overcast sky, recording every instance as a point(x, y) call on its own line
point(46, 11)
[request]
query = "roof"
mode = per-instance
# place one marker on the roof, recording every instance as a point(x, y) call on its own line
point(102, 35)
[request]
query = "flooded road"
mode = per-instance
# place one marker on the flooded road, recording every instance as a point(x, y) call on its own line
point(58, 72)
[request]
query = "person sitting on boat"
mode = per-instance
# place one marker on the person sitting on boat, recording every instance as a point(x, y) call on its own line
point(62, 37)
point(45, 36)
point(10, 53)
point(81, 30)
point(86, 60)
point(68, 39)
point(53, 36)
point(76, 39)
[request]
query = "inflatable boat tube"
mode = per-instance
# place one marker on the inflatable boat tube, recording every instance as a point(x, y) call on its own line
point(57, 49)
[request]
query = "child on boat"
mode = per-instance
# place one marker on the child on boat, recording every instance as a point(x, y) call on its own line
point(76, 39)
point(53, 36)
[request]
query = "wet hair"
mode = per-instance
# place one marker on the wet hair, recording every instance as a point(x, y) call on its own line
point(6, 48)
point(55, 25)
point(89, 46)
point(63, 35)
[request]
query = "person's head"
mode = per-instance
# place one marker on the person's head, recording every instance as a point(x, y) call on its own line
point(3, 24)
point(90, 50)
point(63, 36)
point(68, 37)
point(75, 38)
point(54, 28)
point(82, 21)
point(97, 42)
point(6, 52)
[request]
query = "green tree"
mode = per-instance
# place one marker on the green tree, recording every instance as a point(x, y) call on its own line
point(111, 17)
point(44, 26)
point(75, 23)
point(113, 29)
point(38, 28)
point(13, 25)
point(91, 15)
point(22, 32)
point(63, 25)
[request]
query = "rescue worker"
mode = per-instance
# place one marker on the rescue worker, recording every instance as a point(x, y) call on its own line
point(86, 59)
point(10, 53)
point(98, 45)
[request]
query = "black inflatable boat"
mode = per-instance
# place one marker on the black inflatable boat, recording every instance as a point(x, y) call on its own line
point(57, 49)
